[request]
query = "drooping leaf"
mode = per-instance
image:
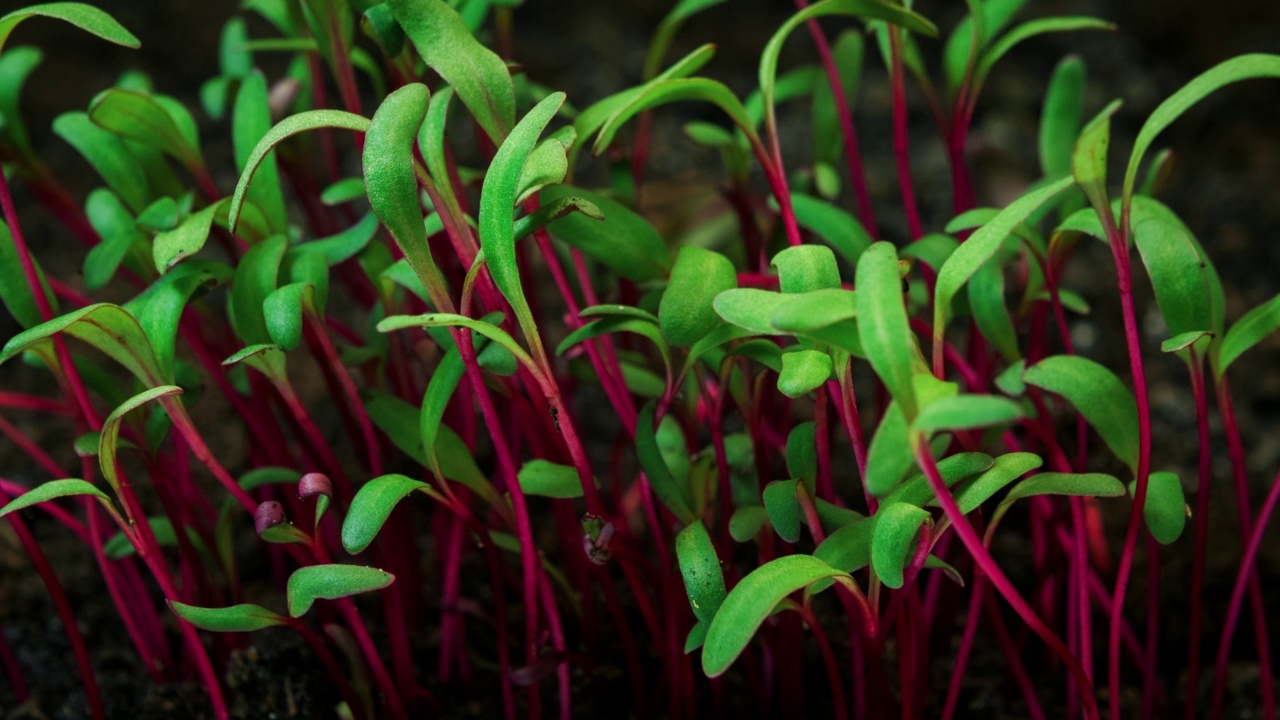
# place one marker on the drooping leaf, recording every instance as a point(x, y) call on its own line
point(749, 308)
point(159, 308)
point(751, 601)
point(700, 568)
point(286, 128)
point(896, 527)
point(1070, 484)
point(1031, 29)
point(986, 302)
point(86, 17)
point(664, 92)
point(255, 278)
point(1097, 394)
point(108, 328)
point(815, 310)
point(476, 73)
point(746, 522)
point(53, 490)
point(849, 548)
point(250, 122)
point(493, 332)
point(953, 469)
point(236, 618)
point(142, 118)
point(110, 435)
point(331, 582)
point(1243, 67)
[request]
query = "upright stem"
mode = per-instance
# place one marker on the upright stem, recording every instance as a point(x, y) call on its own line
point(1196, 370)
point(1124, 280)
point(901, 144)
point(983, 559)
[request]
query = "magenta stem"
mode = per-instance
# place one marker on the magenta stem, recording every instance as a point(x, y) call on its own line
point(1237, 596)
point(1204, 473)
point(1235, 450)
point(65, 613)
point(901, 144)
point(983, 560)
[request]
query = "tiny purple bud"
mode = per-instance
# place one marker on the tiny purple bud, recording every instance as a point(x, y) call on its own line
point(315, 484)
point(268, 515)
point(596, 545)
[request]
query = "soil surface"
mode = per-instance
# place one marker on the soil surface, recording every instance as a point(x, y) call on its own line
point(1225, 185)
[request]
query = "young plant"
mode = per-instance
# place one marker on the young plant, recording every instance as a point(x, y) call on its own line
point(676, 446)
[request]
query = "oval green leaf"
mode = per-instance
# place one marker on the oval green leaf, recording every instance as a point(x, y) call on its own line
point(330, 582)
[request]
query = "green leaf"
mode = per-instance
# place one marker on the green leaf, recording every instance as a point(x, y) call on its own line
point(53, 490)
point(118, 546)
point(548, 479)
point(369, 511)
point(159, 308)
point(932, 249)
point(1031, 29)
point(697, 635)
point(250, 122)
point(700, 568)
point(1060, 120)
point(867, 9)
point(616, 324)
point(141, 118)
point(1182, 341)
point(623, 241)
point(953, 469)
point(114, 224)
point(783, 509)
point(15, 67)
point(1070, 484)
point(814, 310)
point(286, 128)
point(686, 312)
point(966, 412)
point(986, 302)
point(803, 371)
point(984, 22)
point(664, 92)
point(385, 29)
point(667, 30)
point(343, 191)
point(255, 279)
point(1098, 395)
point(546, 165)
point(547, 214)
point(237, 618)
point(847, 52)
point(497, 204)
point(85, 17)
point(838, 228)
point(675, 497)
point(1176, 268)
point(348, 243)
point(751, 601)
point(971, 493)
point(895, 530)
point(15, 292)
point(889, 457)
point(1243, 67)
point(331, 582)
point(109, 156)
point(1089, 159)
point(493, 332)
point(848, 548)
point(981, 246)
point(476, 74)
point(882, 323)
point(749, 308)
point(1166, 510)
point(1247, 332)
point(175, 245)
point(110, 435)
point(746, 522)
point(108, 328)
point(802, 453)
point(806, 268)
point(283, 312)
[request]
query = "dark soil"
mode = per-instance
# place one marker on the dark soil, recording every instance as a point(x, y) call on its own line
point(1226, 186)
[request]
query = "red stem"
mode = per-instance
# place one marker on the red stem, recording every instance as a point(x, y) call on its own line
point(983, 559)
point(1196, 369)
point(900, 141)
point(65, 613)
